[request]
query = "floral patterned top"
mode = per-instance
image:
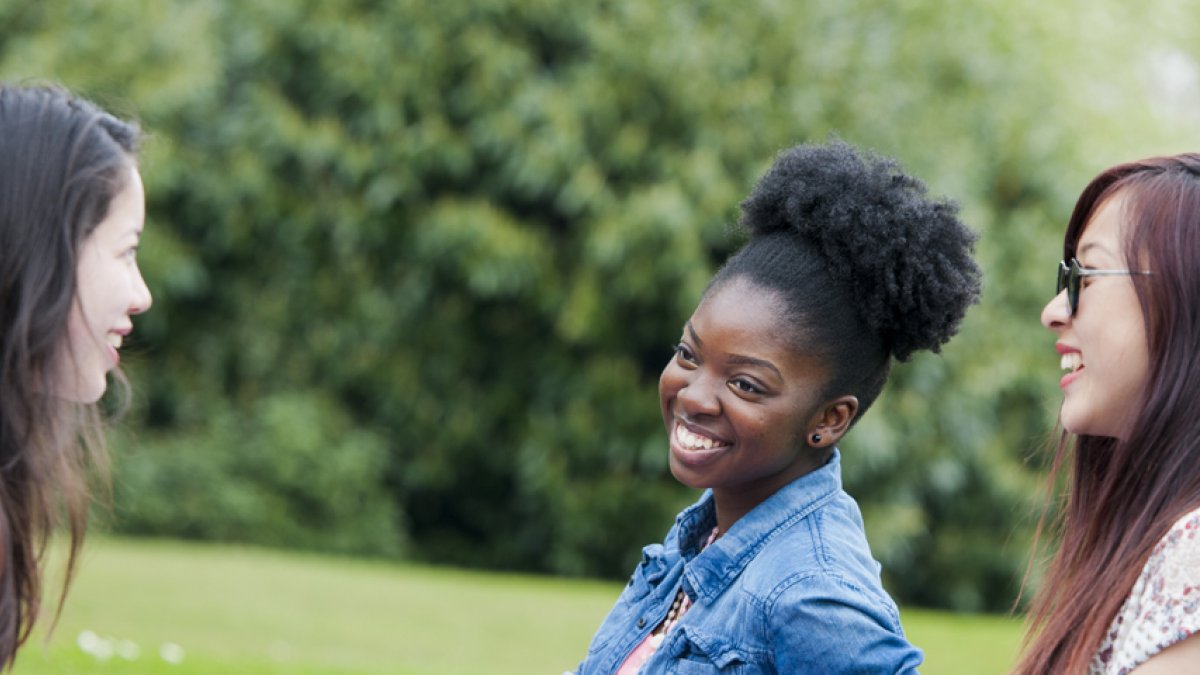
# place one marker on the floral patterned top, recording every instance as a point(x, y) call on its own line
point(1163, 607)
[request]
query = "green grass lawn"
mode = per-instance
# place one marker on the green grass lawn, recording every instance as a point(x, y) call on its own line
point(244, 610)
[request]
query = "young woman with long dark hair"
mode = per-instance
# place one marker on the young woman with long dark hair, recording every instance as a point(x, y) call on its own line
point(1122, 593)
point(849, 266)
point(71, 216)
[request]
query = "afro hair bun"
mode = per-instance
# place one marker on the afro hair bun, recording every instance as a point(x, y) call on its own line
point(906, 258)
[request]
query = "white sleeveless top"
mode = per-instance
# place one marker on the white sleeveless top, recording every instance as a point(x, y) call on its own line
point(1163, 607)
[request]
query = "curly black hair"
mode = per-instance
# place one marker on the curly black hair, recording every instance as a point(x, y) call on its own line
point(868, 265)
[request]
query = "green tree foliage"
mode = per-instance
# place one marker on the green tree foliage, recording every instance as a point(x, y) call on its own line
point(417, 265)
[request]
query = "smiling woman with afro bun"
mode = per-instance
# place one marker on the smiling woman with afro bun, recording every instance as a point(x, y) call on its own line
point(849, 266)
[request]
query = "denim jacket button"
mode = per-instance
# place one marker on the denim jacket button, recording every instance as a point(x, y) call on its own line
point(641, 623)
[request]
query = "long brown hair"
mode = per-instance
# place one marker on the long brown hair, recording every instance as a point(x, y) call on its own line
point(1125, 495)
point(61, 162)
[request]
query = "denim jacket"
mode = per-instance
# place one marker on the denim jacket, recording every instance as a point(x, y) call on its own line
point(790, 588)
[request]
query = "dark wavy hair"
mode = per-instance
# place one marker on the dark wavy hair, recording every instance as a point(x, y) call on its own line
point(62, 160)
point(1125, 495)
point(869, 267)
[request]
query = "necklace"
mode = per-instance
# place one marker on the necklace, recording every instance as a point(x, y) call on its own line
point(636, 661)
point(679, 605)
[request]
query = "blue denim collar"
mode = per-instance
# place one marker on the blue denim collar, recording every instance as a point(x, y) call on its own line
point(710, 571)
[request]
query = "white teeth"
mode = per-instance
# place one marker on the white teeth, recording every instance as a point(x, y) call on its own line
point(115, 340)
point(1072, 361)
point(694, 441)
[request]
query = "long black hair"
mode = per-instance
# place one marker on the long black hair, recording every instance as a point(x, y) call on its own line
point(62, 160)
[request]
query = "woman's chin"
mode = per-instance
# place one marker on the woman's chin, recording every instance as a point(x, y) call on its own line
point(82, 390)
point(1083, 426)
point(684, 475)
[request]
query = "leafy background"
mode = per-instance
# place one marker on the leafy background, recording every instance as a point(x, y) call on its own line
point(416, 265)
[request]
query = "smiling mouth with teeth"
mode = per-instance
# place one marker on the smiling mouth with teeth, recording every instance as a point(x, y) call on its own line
point(1072, 361)
point(694, 441)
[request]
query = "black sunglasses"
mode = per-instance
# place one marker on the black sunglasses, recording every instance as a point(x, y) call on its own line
point(1070, 276)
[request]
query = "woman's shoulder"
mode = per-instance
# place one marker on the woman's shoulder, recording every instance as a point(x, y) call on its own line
point(1174, 563)
point(1164, 605)
point(1188, 524)
point(821, 558)
point(1171, 574)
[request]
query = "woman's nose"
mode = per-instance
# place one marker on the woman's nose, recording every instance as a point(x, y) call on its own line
point(142, 298)
point(1057, 312)
point(699, 396)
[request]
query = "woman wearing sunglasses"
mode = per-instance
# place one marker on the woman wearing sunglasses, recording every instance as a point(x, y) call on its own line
point(1122, 593)
point(849, 265)
point(71, 215)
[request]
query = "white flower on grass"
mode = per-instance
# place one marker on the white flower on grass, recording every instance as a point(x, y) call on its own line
point(128, 650)
point(171, 653)
point(86, 640)
point(98, 647)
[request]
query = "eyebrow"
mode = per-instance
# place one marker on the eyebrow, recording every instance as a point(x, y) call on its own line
point(737, 358)
point(751, 361)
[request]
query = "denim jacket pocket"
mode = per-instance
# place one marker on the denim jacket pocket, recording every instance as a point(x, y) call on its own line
point(695, 651)
point(645, 578)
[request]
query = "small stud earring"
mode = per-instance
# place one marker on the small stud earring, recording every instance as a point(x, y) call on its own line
point(816, 438)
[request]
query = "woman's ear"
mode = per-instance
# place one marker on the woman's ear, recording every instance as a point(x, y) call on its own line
point(833, 422)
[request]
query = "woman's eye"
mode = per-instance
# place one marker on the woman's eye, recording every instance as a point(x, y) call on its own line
point(747, 387)
point(683, 353)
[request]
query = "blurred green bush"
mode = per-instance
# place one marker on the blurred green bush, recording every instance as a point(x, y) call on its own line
point(290, 470)
point(416, 265)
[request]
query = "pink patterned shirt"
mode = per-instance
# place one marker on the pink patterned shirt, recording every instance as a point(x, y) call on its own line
point(1163, 607)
